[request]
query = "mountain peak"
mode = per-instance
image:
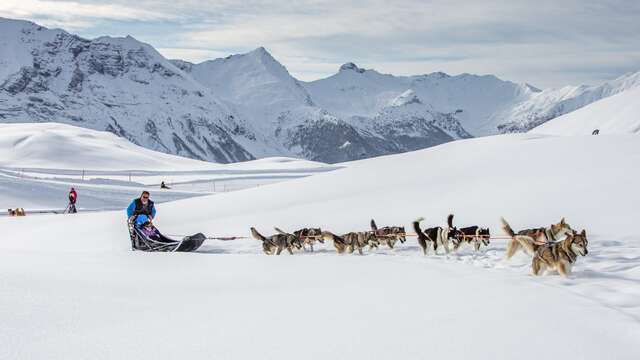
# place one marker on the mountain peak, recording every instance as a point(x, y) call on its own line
point(260, 53)
point(351, 67)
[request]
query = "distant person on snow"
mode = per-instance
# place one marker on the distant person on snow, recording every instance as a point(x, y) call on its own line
point(141, 206)
point(164, 186)
point(73, 197)
point(596, 132)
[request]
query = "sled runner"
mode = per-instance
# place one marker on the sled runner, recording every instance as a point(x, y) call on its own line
point(141, 240)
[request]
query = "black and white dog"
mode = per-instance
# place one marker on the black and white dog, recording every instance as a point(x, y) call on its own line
point(470, 234)
point(435, 236)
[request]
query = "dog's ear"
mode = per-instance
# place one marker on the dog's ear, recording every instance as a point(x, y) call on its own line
point(562, 221)
point(583, 232)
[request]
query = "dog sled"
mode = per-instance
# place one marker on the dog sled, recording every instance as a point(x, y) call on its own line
point(141, 240)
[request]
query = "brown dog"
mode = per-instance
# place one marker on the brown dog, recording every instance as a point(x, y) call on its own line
point(538, 237)
point(559, 256)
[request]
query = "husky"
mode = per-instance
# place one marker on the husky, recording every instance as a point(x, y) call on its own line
point(352, 241)
point(431, 237)
point(559, 256)
point(449, 234)
point(308, 236)
point(472, 234)
point(274, 244)
point(16, 212)
point(389, 235)
point(539, 236)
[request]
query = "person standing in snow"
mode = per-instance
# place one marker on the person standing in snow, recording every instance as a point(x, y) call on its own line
point(141, 206)
point(73, 197)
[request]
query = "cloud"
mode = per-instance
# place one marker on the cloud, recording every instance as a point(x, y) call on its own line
point(76, 15)
point(545, 42)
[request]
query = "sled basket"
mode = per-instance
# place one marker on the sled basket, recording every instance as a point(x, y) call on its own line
point(161, 243)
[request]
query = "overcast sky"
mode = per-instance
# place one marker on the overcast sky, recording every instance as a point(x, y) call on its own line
point(544, 43)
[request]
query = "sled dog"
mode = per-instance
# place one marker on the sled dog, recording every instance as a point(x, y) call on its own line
point(472, 235)
point(389, 235)
point(16, 212)
point(431, 237)
point(274, 244)
point(352, 241)
point(559, 256)
point(307, 236)
point(539, 236)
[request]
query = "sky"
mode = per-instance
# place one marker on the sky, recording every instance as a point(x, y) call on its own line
point(540, 42)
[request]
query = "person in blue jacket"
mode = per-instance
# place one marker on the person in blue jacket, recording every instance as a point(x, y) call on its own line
point(141, 210)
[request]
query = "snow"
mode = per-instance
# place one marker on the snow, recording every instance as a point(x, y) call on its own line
point(42, 161)
point(618, 114)
point(71, 147)
point(72, 289)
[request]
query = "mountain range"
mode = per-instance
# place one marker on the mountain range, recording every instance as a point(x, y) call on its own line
point(248, 106)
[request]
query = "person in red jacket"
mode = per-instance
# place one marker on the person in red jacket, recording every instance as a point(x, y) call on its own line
point(73, 197)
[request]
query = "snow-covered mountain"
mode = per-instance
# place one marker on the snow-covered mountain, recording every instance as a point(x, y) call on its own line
point(283, 111)
point(225, 110)
point(618, 114)
point(484, 105)
point(470, 98)
point(115, 84)
point(248, 106)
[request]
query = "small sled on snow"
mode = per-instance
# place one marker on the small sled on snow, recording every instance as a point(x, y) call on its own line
point(158, 242)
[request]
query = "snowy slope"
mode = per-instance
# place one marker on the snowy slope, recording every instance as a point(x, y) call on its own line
point(61, 146)
point(52, 145)
point(87, 296)
point(618, 114)
point(42, 161)
point(552, 103)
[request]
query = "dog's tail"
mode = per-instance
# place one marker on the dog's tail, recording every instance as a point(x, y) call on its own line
point(507, 228)
point(256, 235)
point(416, 225)
point(527, 243)
point(280, 231)
point(328, 235)
point(374, 227)
point(450, 220)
